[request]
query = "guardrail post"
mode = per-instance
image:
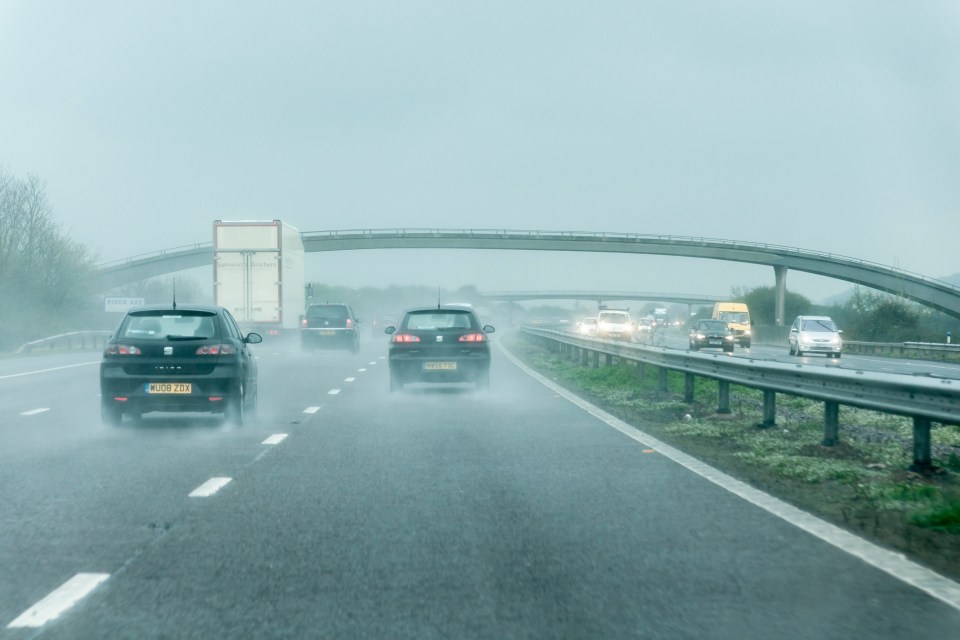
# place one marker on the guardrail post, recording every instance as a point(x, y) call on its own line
point(921, 444)
point(584, 357)
point(689, 381)
point(595, 357)
point(831, 423)
point(769, 409)
point(723, 397)
point(607, 359)
point(641, 369)
point(663, 378)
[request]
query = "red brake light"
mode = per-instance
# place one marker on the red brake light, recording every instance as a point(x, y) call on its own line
point(122, 350)
point(303, 324)
point(349, 323)
point(473, 337)
point(405, 337)
point(216, 349)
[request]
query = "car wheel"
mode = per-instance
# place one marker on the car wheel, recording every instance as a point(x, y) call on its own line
point(793, 352)
point(483, 382)
point(836, 355)
point(251, 410)
point(799, 353)
point(235, 410)
point(694, 347)
point(110, 413)
point(728, 349)
point(746, 345)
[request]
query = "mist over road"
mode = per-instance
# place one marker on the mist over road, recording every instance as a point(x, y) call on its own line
point(438, 512)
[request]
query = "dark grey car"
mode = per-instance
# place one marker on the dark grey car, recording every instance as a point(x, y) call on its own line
point(178, 358)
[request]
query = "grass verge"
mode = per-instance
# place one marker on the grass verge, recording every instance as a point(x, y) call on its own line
point(863, 483)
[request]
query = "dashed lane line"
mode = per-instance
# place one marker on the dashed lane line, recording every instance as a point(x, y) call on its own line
point(349, 379)
point(276, 438)
point(360, 370)
point(210, 487)
point(59, 600)
point(333, 392)
point(34, 412)
point(311, 410)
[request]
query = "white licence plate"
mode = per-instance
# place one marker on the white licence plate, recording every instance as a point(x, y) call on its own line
point(439, 366)
point(328, 332)
point(168, 387)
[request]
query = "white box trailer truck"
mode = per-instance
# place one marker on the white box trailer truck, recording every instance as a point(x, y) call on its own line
point(258, 274)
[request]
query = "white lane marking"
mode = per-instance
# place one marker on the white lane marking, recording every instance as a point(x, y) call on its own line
point(895, 564)
point(360, 370)
point(349, 379)
point(371, 363)
point(383, 357)
point(276, 438)
point(333, 392)
point(311, 409)
point(59, 600)
point(34, 412)
point(30, 373)
point(209, 487)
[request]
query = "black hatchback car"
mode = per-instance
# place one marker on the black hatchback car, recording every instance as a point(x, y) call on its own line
point(178, 358)
point(329, 326)
point(712, 334)
point(439, 344)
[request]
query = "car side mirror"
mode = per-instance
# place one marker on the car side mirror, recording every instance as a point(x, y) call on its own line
point(253, 338)
point(389, 330)
point(488, 328)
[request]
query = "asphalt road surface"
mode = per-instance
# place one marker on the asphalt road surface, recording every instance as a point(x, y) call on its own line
point(350, 512)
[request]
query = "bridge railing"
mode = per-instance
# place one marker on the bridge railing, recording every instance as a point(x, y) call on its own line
point(604, 235)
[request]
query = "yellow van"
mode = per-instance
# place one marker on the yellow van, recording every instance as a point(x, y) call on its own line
point(737, 317)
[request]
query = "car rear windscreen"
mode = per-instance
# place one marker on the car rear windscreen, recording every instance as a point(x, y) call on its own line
point(439, 319)
point(327, 312)
point(158, 325)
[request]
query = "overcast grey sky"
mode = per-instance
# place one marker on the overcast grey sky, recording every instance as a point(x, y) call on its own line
point(832, 126)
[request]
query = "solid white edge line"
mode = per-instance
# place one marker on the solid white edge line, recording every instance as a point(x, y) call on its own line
point(311, 409)
point(209, 487)
point(59, 600)
point(30, 373)
point(894, 564)
point(34, 412)
point(276, 438)
point(333, 392)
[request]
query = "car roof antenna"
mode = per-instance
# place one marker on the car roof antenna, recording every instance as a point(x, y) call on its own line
point(438, 297)
point(174, 294)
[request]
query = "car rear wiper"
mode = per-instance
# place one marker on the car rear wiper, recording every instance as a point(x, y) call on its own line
point(188, 338)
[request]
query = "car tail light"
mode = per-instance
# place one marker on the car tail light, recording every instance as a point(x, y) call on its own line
point(349, 323)
point(473, 337)
point(122, 350)
point(303, 324)
point(216, 350)
point(406, 337)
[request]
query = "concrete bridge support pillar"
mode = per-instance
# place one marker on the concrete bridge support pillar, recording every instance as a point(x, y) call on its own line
point(780, 274)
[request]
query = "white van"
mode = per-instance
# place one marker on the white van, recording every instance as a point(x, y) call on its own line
point(815, 334)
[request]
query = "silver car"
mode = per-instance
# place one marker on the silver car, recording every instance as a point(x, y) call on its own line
point(815, 334)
